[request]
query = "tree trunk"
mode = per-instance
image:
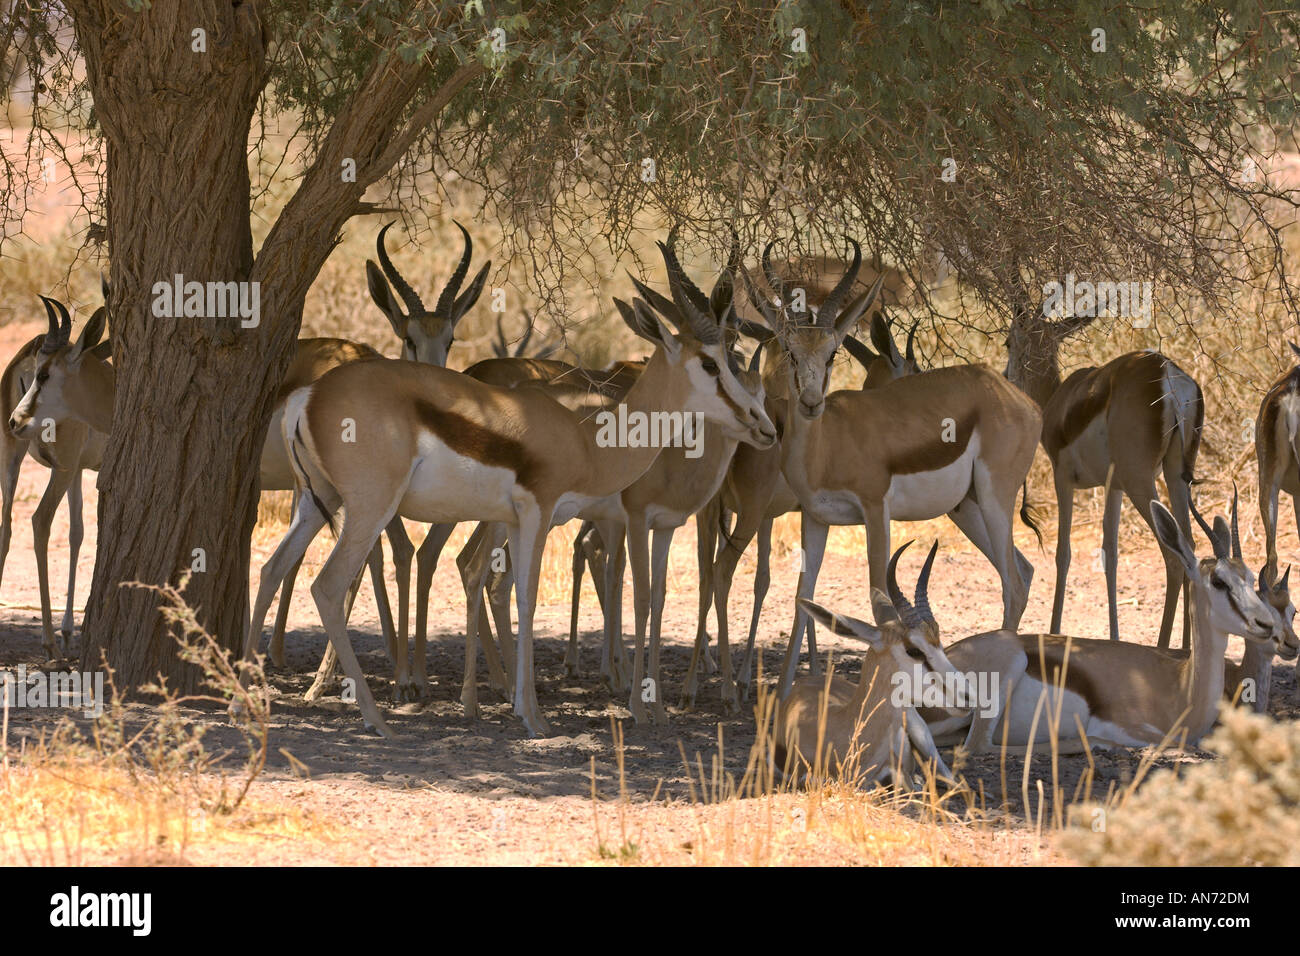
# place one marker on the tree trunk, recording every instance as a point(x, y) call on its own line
point(178, 487)
point(178, 484)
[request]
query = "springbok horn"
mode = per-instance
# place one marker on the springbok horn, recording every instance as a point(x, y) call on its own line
point(1236, 538)
point(409, 295)
point(923, 586)
point(906, 613)
point(760, 301)
point(1209, 532)
point(831, 306)
point(693, 294)
point(453, 284)
point(911, 343)
point(773, 280)
point(724, 289)
point(701, 322)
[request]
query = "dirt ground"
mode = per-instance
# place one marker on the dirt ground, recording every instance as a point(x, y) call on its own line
point(447, 789)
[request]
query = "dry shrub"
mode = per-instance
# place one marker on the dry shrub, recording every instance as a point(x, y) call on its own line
point(1242, 809)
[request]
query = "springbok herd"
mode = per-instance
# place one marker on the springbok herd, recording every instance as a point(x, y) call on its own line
point(516, 444)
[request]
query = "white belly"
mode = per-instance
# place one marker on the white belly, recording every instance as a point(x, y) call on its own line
point(1087, 459)
point(928, 494)
point(836, 507)
point(275, 472)
point(446, 486)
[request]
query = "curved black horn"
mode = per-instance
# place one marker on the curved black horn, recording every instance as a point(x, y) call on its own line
point(831, 305)
point(453, 284)
point(409, 295)
point(773, 280)
point(923, 586)
point(724, 289)
point(759, 300)
point(693, 293)
point(1236, 538)
point(690, 301)
point(910, 354)
point(1215, 543)
point(906, 612)
point(60, 325)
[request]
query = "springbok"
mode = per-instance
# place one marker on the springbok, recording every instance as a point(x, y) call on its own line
point(675, 487)
point(77, 448)
point(1119, 694)
point(868, 731)
point(1256, 665)
point(1114, 426)
point(757, 494)
point(426, 336)
point(436, 445)
point(956, 440)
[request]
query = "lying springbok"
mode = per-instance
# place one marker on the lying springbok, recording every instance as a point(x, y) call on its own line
point(871, 730)
point(1120, 694)
point(77, 448)
point(1117, 426)
point(436, 445)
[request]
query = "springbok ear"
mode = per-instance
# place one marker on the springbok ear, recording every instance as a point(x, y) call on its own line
point(844, 626)
point(382, 293)
point(1063, 328)
point(882, 608)
point(855, 310)
point(884, 341)
point(103, 351)
point(104, 287)
point(92, 333)
point(465, 301)
point(860, 353)
point(641, 319)
point(1174, 541)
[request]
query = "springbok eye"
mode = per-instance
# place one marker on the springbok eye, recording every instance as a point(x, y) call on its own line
point(42, 376)
point(410, 344)
point(915, 653)
point(1219, 583)
point(708, 365)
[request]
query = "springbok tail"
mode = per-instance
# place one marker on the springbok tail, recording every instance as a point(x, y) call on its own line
point(1028, 514)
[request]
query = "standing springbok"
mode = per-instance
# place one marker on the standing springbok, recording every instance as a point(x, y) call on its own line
point(426, 336)
point(435, 445)
point(868, 731)
point(1114, 426)
point(956, 441)
point(757, 494)
point(76, 447)
point(1120, 694)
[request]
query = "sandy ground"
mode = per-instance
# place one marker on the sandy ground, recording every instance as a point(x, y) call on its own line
point(450, 789)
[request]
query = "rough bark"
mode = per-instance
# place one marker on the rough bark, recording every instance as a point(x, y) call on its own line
point(194, 396)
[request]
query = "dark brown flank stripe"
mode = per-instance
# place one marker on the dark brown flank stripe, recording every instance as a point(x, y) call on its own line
point(468, 438)
point(929, 455)
point(1288, 383)
point(1047, 667)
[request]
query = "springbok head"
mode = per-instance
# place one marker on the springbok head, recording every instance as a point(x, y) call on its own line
point(1033, 346)
point(703, 379)
point(1227, 584)
point(886, 363)
point(56, 391)
point(426, 335)
point(1277, 595)
point(811, 338)
point(904, 636)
